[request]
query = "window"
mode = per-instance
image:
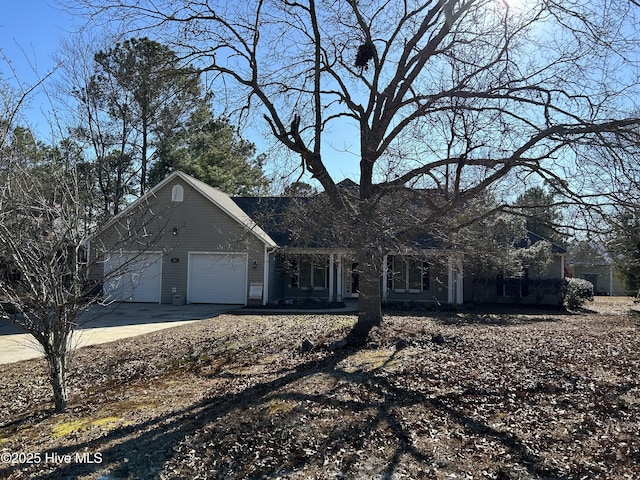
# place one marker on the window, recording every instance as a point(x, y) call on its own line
point(514, 286)
point(305, 273)
point(414, 275)
point(177, 193)
point(309, 273)
point(425, 275)
point(319, 274)
point(407, 274)
point(399, 267)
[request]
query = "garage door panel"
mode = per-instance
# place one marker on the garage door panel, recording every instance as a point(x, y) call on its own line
point(133, 277)
point(217, 278)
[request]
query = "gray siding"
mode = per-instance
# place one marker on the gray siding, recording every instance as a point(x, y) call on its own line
point(539, 289)
point(603, 277)
point(199, 225)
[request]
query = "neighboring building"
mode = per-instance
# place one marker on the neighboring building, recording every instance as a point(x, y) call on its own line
point(593, 263)
point(186, 241)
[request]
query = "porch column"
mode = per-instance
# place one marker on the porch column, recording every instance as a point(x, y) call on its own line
point(459, 282)
point(331, 281)
point(385, 273)
point(610, 280)
point(265, 281)
point(340, 275)
point(450, 280)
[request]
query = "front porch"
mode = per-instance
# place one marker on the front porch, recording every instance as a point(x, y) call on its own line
point(333, 276)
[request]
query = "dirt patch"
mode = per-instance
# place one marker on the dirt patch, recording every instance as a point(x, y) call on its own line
point(453, 395)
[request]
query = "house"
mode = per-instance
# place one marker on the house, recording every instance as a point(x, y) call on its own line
point(326, 270)
point(185, 241)
point(593, 263)
point(524, 287)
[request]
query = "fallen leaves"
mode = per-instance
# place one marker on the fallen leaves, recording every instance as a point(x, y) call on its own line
point(496, 396)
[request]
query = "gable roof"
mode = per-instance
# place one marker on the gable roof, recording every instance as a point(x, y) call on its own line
point(269, 212)
point(215, 196)
point(533, 238)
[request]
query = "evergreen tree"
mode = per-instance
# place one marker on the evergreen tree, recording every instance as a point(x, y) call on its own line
point(210, 149)
point(541, 213)
point(146, 93)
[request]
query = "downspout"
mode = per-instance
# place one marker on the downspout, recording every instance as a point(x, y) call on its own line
point(265, 277)
point(331, 277)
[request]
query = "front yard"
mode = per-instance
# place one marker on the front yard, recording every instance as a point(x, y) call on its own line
point(543, 395)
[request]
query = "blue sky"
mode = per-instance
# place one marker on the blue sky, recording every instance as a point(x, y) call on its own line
point(30, 35)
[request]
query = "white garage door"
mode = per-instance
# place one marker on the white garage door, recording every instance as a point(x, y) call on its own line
point(217, 278)
point(133, 277)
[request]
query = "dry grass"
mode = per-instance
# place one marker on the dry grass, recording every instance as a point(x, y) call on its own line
point(507, 395)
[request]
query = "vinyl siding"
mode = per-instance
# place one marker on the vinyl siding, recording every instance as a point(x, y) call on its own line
point(542, 289)
point(605, 277)
point(200, 227)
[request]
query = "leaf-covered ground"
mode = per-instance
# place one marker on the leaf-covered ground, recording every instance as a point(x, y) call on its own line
point(505, 395)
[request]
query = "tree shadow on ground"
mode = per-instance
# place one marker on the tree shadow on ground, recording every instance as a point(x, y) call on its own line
point(263, 430)
point(492, 319)
point(498, 316)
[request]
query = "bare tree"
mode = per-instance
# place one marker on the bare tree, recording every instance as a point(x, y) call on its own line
point(48, 278)
point(43, 285)
point(456, 95)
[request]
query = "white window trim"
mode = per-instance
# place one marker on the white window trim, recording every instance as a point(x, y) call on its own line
point(404, 274)
point(313, 264)
point(177, 193)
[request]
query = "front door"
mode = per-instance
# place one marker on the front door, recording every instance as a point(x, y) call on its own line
point(352, 281)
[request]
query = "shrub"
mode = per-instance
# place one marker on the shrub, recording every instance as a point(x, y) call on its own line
point(546, 289)
point(576, 292)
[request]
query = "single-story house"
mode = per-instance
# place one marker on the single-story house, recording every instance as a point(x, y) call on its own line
point(593, 263)
point(185, 241)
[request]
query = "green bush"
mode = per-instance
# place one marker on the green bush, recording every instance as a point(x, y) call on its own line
point(576, 292)
point(544, 288)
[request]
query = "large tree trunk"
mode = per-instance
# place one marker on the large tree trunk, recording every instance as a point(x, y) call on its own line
point(370, 308)
point(58, 373)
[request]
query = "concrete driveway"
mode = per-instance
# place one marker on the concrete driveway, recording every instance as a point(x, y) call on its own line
point(102, 324)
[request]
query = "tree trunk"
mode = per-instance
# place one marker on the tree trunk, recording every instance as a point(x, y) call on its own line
point(370, 308)
point(58, 373)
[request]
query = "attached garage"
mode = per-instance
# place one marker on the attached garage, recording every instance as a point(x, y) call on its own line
point(133, 277)
point(199, 246)
point(217, 278)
